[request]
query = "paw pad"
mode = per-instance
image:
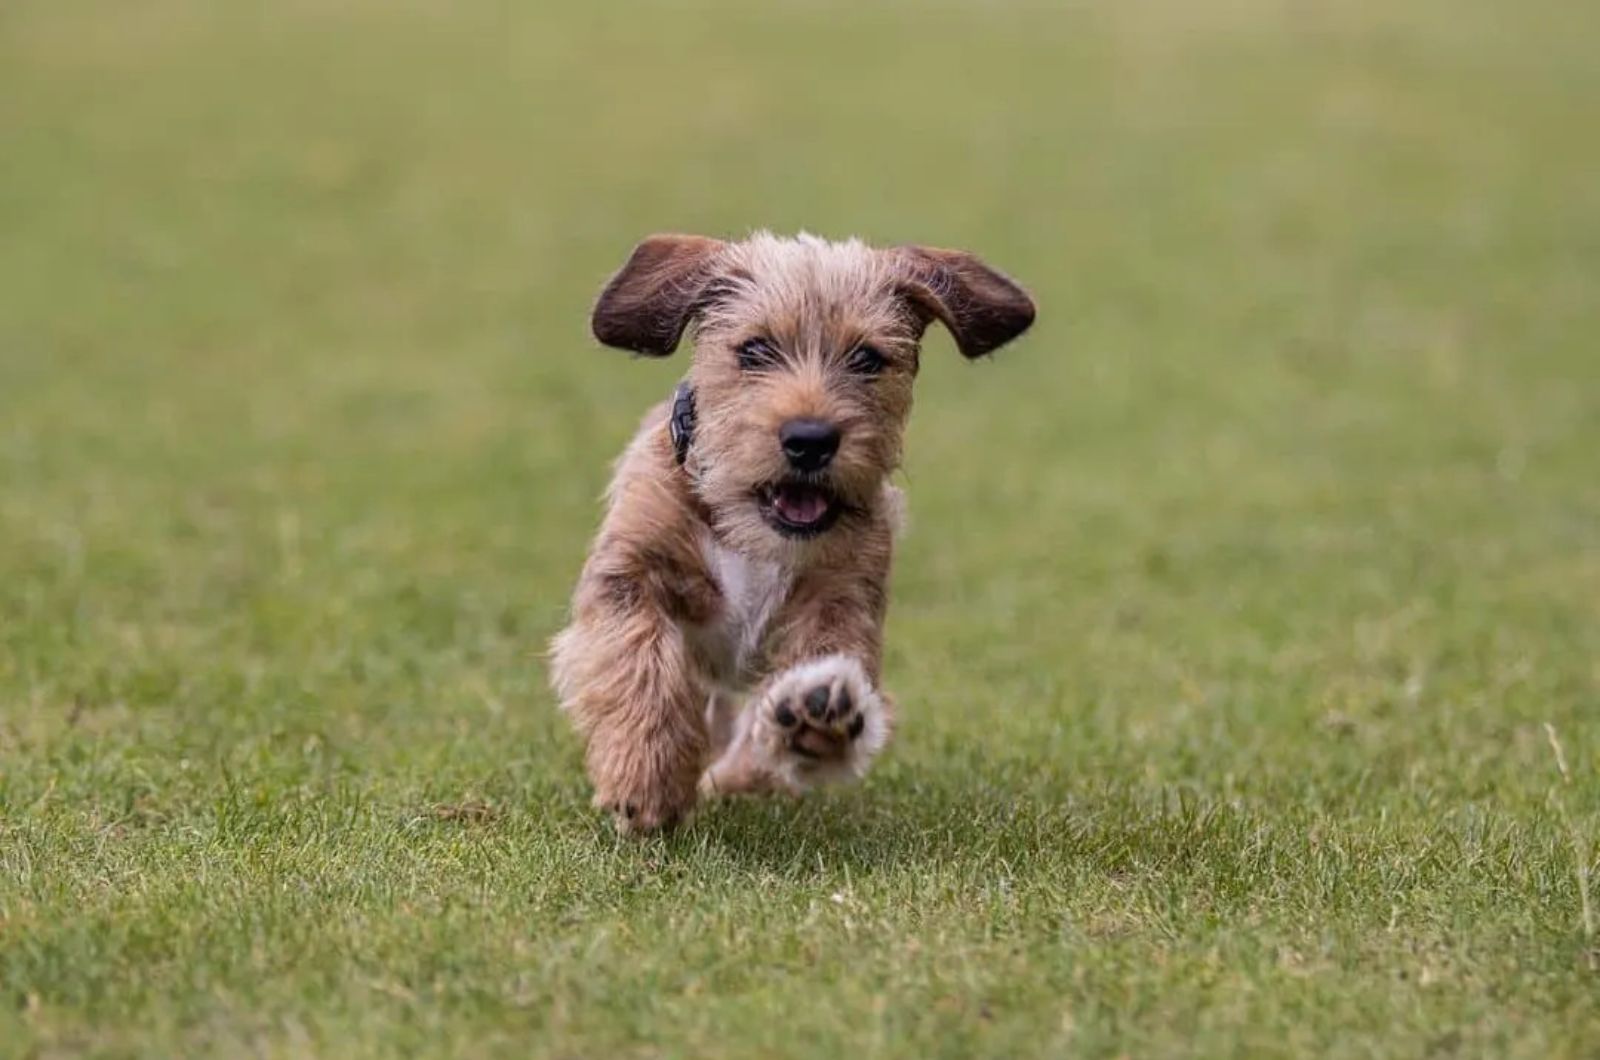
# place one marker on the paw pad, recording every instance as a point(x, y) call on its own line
point(818, 711)
point(817, 721)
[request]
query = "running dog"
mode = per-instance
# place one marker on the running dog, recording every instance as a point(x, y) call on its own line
point(727, 629)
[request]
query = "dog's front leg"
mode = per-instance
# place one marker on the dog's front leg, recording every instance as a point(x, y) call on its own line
point(820, 716)
point(627, 677)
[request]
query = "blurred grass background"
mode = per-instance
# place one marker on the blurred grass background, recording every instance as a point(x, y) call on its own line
point(1236, 599)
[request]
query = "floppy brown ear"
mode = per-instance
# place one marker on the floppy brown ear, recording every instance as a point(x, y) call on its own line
point(648, 303)
point(983, 309)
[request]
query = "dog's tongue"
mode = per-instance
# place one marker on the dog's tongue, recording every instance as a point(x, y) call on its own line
point(800, 505)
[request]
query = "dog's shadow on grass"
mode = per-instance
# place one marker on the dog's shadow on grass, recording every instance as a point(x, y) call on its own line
point(873, 828)
point(1000, 813)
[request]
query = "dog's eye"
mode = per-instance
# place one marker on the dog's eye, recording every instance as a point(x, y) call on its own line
point(864, 360)
point(757, 354)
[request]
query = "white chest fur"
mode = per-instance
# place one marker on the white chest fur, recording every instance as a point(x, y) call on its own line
point(751, 590)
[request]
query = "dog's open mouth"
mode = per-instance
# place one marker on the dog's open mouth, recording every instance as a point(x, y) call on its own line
point(798, 509)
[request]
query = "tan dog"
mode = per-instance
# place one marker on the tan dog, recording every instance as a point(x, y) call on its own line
point(727, 629)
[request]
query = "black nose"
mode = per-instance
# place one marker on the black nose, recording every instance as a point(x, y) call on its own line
point(809, 444)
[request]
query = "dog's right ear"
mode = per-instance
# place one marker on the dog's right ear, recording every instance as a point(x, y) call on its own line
point(650, 301)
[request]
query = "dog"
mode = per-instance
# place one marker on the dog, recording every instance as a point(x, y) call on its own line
point(726, 632)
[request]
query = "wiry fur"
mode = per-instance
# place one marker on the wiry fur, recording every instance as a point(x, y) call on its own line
point(690, 598)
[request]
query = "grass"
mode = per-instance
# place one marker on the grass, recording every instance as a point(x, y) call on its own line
point(1236, 604)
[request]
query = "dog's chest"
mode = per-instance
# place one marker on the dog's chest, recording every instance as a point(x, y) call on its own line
point(752, 591)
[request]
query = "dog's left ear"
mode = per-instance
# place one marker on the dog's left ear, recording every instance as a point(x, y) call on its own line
point(983, 309)
point(648, 303)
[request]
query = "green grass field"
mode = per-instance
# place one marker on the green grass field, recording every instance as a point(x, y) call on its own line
point(1236, 602)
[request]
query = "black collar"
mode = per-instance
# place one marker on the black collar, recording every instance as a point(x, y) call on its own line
point(680, 425)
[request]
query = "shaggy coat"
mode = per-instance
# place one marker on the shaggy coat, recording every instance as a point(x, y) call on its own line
point(726, 632)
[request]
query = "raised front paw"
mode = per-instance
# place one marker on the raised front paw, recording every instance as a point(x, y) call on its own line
point(822, 720)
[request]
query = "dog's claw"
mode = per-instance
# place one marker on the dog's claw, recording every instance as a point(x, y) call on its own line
point(633, 818)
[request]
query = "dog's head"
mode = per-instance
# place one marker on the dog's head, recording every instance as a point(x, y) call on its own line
point(805, 352)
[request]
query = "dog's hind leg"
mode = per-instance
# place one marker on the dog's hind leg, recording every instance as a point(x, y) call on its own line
point(722, 720)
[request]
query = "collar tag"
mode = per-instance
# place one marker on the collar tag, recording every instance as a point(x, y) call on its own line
point(680, 425)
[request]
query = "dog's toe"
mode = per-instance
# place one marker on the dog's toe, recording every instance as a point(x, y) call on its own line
point(822, 731)
point(843, 705)
point(633, 818)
